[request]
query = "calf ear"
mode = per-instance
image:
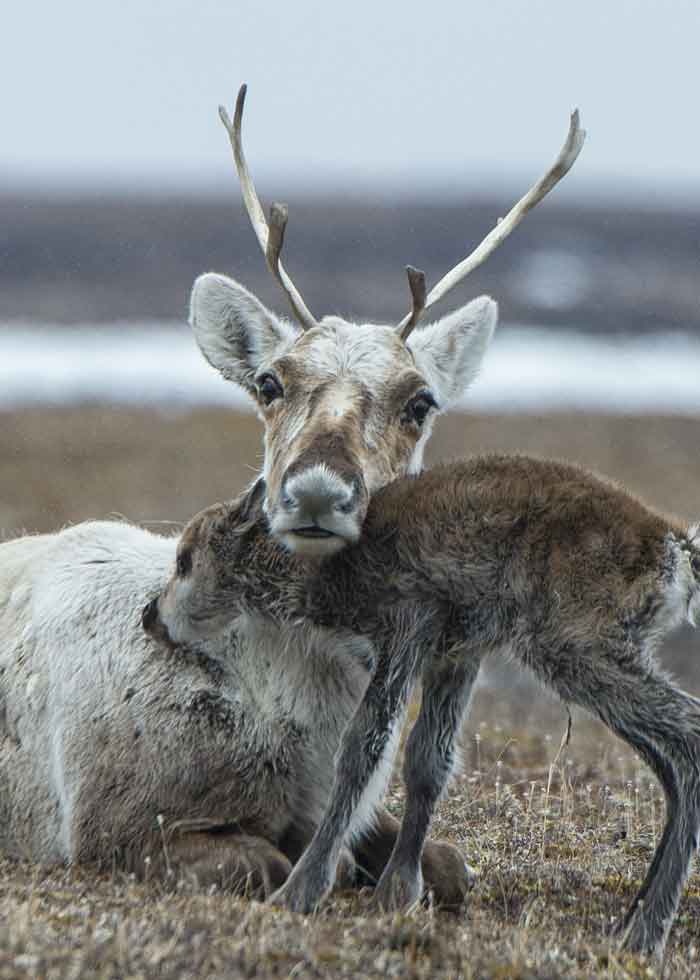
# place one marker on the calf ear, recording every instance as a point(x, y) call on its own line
point(235, 332)
point(449, 353)
point(252, 500)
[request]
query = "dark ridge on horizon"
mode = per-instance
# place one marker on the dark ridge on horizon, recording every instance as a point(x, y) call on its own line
point(105, 256)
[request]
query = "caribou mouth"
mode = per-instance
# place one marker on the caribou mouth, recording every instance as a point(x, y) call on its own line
point(313, 531)
point(315, 540)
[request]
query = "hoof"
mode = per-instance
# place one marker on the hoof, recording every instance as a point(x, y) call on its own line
point(398, 889)
point(301, 892)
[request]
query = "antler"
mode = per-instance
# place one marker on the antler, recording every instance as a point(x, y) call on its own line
point(272, 237)
point(562, 165)
point(416, 283)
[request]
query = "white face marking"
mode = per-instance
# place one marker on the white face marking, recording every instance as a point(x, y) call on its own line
point(342, 401)
point(366, 353)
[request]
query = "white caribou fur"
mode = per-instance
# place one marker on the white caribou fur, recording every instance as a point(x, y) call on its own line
point(103, 730)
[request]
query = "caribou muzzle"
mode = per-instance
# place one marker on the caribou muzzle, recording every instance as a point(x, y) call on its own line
point(320, 509)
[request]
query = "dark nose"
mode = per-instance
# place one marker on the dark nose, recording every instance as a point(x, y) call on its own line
point(149, 616)
point(317, 497)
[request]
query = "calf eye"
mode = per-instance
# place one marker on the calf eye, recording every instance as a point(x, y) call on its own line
point(417, 409)
point(269, 388)
point(184, 563)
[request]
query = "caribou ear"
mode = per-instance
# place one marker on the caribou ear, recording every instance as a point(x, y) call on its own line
point(235, 332)
point(450, 351)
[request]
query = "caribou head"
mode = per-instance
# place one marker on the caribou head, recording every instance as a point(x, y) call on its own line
point(346, 407)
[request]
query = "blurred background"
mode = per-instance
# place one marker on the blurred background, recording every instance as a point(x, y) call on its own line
point(398, 133)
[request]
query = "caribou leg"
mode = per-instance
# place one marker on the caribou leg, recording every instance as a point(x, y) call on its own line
point(662, 724)
point(429, 762)
point(363, 765)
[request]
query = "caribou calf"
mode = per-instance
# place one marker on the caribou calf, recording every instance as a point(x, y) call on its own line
point(561, 569)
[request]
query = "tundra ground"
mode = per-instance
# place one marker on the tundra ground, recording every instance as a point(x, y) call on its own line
point(561, 840)
point(561, 834)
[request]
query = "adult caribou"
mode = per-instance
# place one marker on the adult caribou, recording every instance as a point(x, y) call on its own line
point(111, 752)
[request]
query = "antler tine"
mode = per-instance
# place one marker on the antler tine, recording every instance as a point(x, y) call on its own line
point(416, 283)
point(564, 162)
point(257, 215)
point(275, 237)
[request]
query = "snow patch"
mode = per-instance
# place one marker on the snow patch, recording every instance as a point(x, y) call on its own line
point(525, 369)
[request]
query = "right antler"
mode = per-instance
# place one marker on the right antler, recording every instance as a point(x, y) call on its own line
point(562, 165)
point(272, 237)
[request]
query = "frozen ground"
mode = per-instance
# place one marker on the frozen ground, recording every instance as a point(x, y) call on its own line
point(526, 369)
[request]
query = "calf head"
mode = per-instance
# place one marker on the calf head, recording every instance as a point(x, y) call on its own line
point(225, 563)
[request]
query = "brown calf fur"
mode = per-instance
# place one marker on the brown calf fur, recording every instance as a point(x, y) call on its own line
point(565, 571)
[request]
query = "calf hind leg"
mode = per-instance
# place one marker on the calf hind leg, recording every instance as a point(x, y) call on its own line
point(429, 763)
point(662, 724)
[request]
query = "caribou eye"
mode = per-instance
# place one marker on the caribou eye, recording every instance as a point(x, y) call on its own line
point(183, 564)
point(269, 388)
point(695, 564)
point(418, 408)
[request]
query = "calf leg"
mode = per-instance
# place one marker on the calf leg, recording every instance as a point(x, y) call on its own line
point(662, 724)
point(297, 838)
point(363, 765)
point(429, 763)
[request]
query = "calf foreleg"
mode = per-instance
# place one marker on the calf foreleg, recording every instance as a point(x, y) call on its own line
point(429, 762)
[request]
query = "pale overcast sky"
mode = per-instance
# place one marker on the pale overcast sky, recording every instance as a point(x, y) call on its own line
point(439, 95)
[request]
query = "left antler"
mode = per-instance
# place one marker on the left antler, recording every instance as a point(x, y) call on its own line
point(270, 237)
point(562, 165)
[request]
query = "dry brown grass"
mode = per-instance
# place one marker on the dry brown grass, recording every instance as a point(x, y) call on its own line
point(69, 464)
point(560, 849)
